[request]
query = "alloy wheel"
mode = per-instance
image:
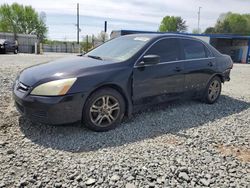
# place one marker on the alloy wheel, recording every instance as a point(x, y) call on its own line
point(104, 111)
point(214, 90)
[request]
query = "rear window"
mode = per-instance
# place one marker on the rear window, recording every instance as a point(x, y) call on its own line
point(193, 49)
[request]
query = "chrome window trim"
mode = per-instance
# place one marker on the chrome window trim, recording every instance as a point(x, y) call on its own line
point(136, 66)
point(163, 38)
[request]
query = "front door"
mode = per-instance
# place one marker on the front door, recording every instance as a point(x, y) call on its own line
point(164, 79)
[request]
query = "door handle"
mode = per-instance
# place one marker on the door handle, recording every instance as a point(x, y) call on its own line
point(177, 69)
point(211, 64)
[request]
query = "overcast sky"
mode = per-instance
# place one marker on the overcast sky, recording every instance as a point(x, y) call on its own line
point(129, 14)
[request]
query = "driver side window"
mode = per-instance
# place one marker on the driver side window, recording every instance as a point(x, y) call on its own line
point(167, 49)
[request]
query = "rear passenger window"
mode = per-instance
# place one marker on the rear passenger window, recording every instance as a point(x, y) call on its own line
point(193, 49)
point(167, 49)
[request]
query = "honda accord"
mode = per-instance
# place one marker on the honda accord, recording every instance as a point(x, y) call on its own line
point(120, 76)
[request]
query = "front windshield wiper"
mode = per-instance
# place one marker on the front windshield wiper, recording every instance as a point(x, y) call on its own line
point(94, 57)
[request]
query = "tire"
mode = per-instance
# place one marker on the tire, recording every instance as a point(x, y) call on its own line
point(103, 110)
point(213, 90)
point(16, 51)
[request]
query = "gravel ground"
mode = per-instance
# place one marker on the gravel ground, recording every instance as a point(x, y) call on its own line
point(181, 144)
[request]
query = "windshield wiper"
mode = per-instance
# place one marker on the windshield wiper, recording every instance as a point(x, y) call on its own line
point(94, 57)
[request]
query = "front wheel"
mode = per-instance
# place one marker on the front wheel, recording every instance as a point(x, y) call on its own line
point(104, 110)
point(213, 90)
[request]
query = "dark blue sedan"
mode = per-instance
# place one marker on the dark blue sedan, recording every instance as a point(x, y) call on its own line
point(120, 76)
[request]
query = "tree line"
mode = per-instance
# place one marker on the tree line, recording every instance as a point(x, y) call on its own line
point(228, 23)
point(17, 18)
point(231, 23)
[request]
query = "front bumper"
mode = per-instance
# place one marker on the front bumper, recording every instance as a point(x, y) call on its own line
point(50, 110)
point(226, 75)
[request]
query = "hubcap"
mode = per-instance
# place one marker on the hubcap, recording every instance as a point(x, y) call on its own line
point(214, 90)
point(104, 111)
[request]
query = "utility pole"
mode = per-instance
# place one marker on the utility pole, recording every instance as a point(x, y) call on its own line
point(105, 30)
point(199, 17)
point(78, 29)
point(105, 26)
point(87, 43)
point(93, 40)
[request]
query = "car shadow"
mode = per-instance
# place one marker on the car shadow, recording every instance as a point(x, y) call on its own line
point(163, 119)
point(7, 53)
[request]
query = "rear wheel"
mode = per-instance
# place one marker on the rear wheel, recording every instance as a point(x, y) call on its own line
point(104, 110)
point(16, 51)
point(213, 90)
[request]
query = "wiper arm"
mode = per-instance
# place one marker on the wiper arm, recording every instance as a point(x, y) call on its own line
point(94, 57)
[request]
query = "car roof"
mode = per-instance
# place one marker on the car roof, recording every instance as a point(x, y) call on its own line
point(160, 35)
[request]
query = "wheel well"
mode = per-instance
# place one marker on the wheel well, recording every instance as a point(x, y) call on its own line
point(220, 76)
point(117, 88)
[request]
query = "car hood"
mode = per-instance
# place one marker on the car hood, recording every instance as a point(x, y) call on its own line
point(60, 69)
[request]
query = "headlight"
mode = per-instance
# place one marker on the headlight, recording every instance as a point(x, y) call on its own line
point(54, 88)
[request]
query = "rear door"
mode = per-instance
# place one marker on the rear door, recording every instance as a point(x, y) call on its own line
point(199, 64)
point(164, 79)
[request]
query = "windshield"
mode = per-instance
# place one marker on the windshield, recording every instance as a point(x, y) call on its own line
point(119, 49)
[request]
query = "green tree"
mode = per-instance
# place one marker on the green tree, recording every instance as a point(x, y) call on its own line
point(247, 16)
point(87, 43)
point(210, 30)
point(196, 31)
point(231, 23)
point(173, 24)
point(17, 18)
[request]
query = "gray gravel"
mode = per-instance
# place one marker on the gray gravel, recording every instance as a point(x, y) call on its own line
point(181, 144)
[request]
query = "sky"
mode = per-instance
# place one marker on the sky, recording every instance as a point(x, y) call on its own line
point(127, 14)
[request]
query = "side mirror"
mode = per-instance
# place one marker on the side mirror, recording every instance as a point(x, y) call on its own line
point(150, 59)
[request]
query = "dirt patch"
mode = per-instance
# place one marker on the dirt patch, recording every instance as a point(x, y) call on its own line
point(172, 141)
point(241, 153)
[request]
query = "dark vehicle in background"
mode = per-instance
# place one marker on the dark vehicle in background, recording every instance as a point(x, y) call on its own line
point(120, 76)
point(8, 46)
